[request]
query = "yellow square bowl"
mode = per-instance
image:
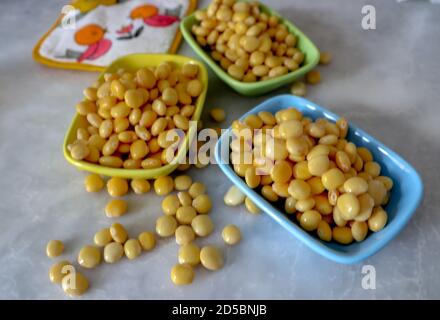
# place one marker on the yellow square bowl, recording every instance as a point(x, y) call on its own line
point(131, 63)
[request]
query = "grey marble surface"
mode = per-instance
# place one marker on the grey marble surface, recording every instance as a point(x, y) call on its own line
point(386, 81)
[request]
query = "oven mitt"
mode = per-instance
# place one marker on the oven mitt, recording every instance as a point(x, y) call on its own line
point(90, 34)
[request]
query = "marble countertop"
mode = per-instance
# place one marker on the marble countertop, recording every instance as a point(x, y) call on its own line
point(384, 80)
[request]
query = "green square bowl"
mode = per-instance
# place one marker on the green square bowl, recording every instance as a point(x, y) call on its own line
point(311, 58)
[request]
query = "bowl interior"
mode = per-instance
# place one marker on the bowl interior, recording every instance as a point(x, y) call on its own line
point(405, 195)
point(311, 58)
point(131, 63)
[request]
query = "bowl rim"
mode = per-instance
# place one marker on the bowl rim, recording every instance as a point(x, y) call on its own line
point(312, 242)
point(184, 27)
point(143, 173)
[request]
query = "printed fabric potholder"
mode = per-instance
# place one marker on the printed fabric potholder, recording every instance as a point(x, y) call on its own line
point(90, 34)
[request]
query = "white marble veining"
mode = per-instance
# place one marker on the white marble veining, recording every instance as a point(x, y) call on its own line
point(386, 81)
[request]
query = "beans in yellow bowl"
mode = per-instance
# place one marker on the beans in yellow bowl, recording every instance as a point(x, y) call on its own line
point(121, 125)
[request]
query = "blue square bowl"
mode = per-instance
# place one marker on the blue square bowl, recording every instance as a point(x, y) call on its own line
point(405, 195)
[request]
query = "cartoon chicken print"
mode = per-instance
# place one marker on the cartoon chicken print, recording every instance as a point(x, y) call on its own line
point(92, 36)
point(157, 20)
point(149, 15)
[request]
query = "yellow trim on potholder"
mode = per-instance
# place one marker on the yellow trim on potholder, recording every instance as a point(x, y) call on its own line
point(90, 67)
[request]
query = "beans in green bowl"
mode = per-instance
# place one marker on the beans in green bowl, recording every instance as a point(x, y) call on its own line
point(249, 46)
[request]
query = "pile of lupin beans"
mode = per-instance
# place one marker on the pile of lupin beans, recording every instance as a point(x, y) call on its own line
point(185, 216)
point(249, 44)
point(128, 115)
point(110, 245)
point(334, 188)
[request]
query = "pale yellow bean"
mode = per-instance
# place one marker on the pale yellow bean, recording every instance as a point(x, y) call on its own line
point(233, 196)
point(147, 240)
point(359, 230)
point(184, 235)
point(316, 185)
point(324, 231)
point(163, 185)
point(322, 204)
point(79, 151)
point(211, 258)
point(298, 88)
point(145, 78)
point(59, 270)
point(184, 198)
point(140, 186)
point(337, 217)
point(118, 232)
point(190, 70)
point(132, 248)
point(278, 71)
point(170, 204)
point(378, 219)
point(372, 168)
point(102, 237)
point(202, 204)
point(151, 163)
point(85, 107)
point(313, 77)
point(377, 191)
point(117, 187)
point(231, 234)
point(82, 134)
point(158, 126)
point(113, 252)
point(305, 204)
point(387, 182)
point(333, 179)
point(89, 257)
point(93, 183)
point(202, 225)
point(251, 206)
point(186, 214)
point(196, 189)
point(166, 226)
point(365, 154)
point(110, 146)
point(299, 189)
point(54, 248)
point(139, 149)
point(218, 114)
point(182, 274)
point(159, 107)
point(291, 129)
point(76, 285)
point(121, 110)
point(348, 206)
point(194, 88)
point(342, 235)
point(325, 58)
point(116, 208)
point(310, 220)
point(356, 186)
point(163, 70)
point(269, 194)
